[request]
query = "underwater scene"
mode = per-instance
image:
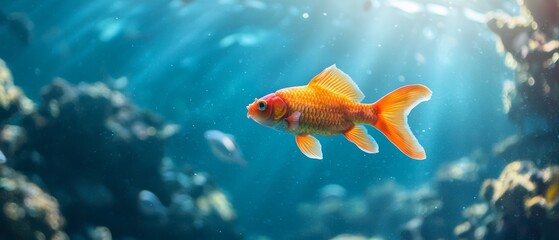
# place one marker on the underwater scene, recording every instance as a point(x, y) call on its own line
point(268, 119)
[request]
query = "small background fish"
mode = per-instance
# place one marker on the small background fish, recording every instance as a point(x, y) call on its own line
point(225, 147)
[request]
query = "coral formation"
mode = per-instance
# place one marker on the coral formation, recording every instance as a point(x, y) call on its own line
point(391, 211)
point(12, 100)
point(454, 186)
point(380, 212)
point(522, 202)
point(27, 211)
point(95, 152)
point(532, 44)
point(525, 202)
point(531, 41)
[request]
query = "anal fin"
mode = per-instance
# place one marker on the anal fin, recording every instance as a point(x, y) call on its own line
point(358, 135)
point(309, 145)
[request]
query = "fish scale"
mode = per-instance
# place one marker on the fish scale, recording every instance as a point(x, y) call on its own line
point(322, 112)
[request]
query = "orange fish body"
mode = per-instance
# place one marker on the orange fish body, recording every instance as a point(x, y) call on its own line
point(330, 105)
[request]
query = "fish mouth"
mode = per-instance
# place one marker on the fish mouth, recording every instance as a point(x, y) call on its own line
point(248, 107)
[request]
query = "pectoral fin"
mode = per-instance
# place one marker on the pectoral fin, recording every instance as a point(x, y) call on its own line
point(358, 135)
point(309, 145)
point(293, 120)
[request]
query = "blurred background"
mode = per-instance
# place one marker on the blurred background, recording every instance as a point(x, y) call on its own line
point(196, 64)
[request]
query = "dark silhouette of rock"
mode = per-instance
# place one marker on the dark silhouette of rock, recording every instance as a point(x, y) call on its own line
point(524, 205)
point(104, 160)
point(532, 45)
point(27, 211)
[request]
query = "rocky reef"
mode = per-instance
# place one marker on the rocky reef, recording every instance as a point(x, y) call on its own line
point(524, 205)
point(97, 169)
point(531, 100)
point(27, 211)
point(12, 99)
point(379, 212)
point(391, 211)
point(522, 202)
point(455, 185)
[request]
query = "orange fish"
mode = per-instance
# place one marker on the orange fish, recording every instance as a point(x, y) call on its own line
point(330, 105)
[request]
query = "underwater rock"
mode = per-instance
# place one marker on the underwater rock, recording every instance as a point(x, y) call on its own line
point(99, 233)
point(380, 212)
point(353, 237)
point(532, 45)
point(104, 159)
point(431, 226)
point(455, 185)
point(540, 146)
point(12, 99)
point(480, 224)
point(514, 185)
point(393, 212)
point(92, 135)
point(27, 212)
point(198, 209)
point(327, 218)
point(524, 197)
point(465, 174)
point(389, 207)
point(11, 139)
point(13, 102)
point(523, 201)
point(332, 191)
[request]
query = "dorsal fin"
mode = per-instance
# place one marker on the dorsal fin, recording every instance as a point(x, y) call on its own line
point(336, 81)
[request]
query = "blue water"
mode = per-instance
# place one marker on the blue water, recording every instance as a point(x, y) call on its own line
point(199, 63)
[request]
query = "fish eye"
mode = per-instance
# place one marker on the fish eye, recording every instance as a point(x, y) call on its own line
point(262, 105)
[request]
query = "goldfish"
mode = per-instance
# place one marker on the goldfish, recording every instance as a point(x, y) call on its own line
point(330, 104)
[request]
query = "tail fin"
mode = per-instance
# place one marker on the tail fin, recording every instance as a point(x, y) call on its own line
point(392, 111)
